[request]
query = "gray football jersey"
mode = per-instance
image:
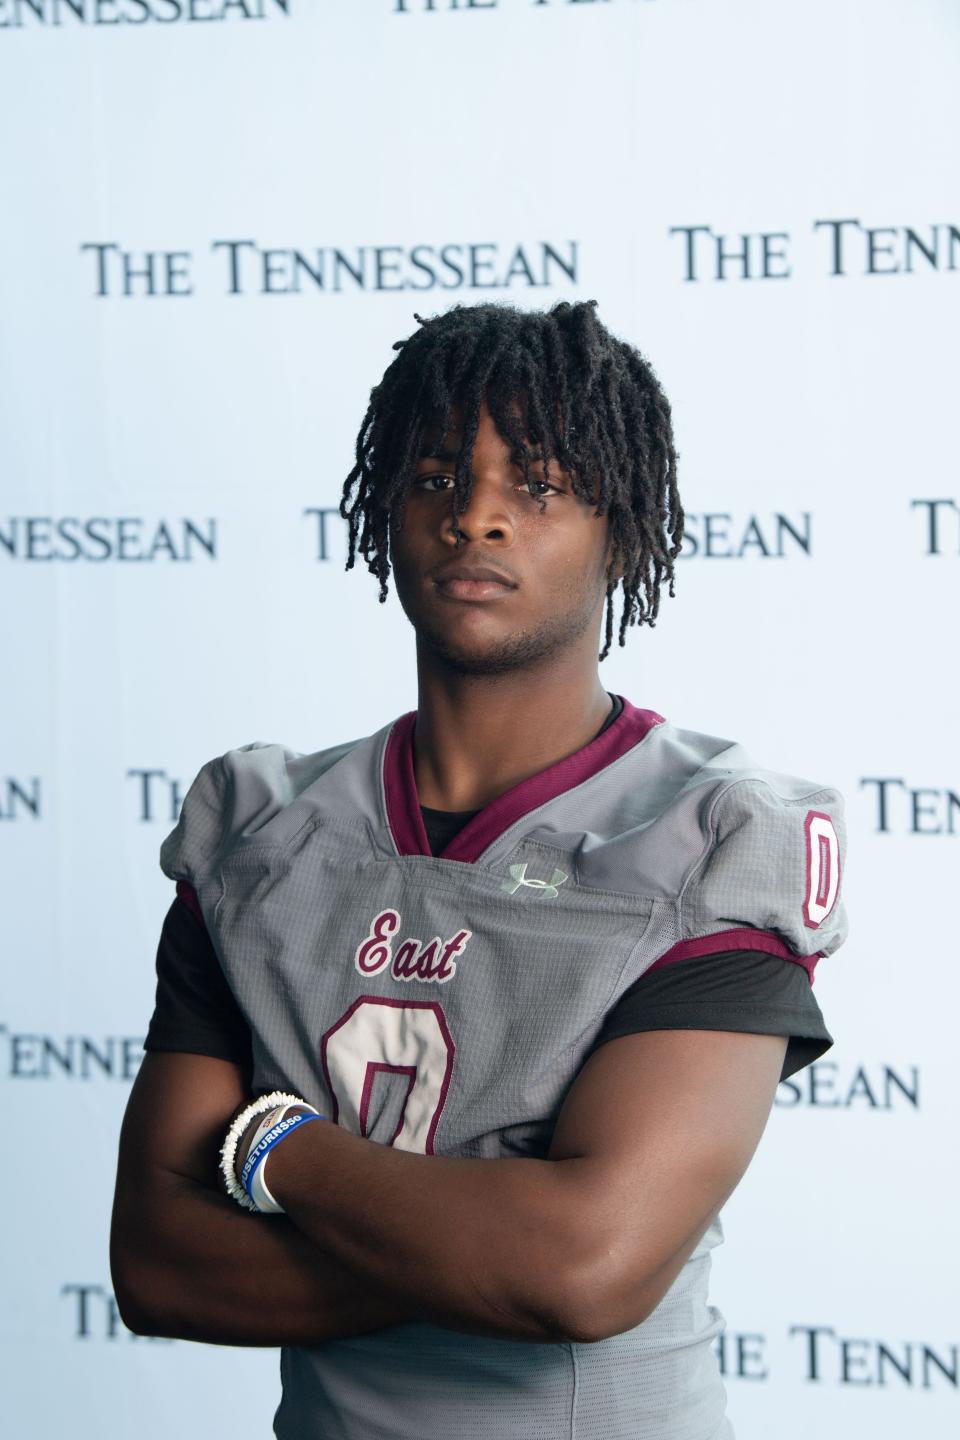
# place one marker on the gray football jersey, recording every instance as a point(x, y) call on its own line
point(445, 1005)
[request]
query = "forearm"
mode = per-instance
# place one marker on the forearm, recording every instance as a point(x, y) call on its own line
point(477, 1245)
point(188, 1264)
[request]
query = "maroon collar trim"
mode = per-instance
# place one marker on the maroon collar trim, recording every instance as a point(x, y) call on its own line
point(403, 802)
point(400, 789)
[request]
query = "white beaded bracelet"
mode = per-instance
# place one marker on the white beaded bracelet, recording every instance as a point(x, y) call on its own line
point(228, 1153)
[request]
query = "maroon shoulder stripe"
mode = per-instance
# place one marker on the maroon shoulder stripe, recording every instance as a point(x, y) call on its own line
point(742, 939)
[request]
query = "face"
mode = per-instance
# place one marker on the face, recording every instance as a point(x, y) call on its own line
point(516, 579)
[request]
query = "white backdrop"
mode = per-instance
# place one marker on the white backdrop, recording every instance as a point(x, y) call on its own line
point(165, 595)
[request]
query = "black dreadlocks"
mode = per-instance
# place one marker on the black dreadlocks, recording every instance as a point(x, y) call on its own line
point(557, 384)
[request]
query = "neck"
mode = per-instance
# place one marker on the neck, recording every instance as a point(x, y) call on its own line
point(479, 735)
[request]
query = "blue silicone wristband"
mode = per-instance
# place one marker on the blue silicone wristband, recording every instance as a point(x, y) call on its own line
point(259, 1153)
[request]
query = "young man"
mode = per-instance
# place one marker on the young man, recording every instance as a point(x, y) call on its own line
point(541, 956)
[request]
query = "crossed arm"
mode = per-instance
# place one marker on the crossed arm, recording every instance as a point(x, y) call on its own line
point(655, 1133)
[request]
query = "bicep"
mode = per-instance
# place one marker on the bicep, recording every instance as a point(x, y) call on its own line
point(178, 1111)
point(665, 1123)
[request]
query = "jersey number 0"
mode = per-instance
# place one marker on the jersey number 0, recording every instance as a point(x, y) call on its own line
point(394, 1037)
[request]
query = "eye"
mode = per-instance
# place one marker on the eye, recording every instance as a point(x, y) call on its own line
point(434, 483)
point(540, 488)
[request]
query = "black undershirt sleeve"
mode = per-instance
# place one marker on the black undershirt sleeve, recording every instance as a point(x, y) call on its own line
point(745, 990)
point(195, 1008)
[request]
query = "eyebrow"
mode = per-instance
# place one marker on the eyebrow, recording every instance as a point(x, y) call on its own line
point(432, 452)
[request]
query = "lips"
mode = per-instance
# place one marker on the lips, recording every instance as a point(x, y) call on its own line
point(473, 582)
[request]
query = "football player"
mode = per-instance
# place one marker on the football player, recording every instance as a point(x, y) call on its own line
point(466, 1030)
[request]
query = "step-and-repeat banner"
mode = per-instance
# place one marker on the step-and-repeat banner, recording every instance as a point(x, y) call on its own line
point(217, 216)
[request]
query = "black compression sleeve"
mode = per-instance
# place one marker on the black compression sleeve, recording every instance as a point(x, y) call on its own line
point(745, 990)
point(195, 1008)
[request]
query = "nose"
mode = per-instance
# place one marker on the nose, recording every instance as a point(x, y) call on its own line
point(486, 517)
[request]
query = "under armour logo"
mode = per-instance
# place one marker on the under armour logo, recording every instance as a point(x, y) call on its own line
point(547, 888)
